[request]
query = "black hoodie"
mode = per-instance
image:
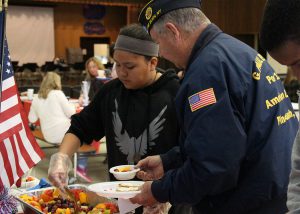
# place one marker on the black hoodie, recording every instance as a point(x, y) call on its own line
point(136, 123)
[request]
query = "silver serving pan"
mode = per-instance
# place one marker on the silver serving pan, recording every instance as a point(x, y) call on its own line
point(93, 198)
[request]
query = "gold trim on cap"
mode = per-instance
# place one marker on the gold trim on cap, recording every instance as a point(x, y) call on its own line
point(145, 8)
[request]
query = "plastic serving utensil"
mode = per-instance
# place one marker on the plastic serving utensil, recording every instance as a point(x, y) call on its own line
point(72, 197)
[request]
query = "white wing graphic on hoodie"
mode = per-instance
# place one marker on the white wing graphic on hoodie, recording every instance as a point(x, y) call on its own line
point(126, 143)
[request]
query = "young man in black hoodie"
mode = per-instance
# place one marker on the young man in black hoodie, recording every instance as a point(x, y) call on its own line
point(135, 112)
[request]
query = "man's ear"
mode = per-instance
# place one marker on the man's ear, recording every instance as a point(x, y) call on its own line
point(173, 30)
point(153, 63)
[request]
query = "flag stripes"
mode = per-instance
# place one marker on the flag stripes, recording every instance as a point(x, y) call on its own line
point(18, 149)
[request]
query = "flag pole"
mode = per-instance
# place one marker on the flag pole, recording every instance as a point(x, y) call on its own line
point(3, 8)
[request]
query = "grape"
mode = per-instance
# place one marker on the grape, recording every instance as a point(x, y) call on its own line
point(64, 206)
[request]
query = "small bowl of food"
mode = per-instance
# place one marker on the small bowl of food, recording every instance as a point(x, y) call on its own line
point(124, 172)
point(29, 181)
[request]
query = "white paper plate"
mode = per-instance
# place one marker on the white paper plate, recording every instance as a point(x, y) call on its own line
point(108, 189)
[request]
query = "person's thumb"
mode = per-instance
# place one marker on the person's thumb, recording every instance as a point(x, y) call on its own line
point(141, 164)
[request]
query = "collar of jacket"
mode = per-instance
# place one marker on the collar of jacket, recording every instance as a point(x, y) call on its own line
point(209, 33)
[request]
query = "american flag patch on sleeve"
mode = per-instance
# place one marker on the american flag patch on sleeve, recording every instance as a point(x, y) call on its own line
point(202, 98)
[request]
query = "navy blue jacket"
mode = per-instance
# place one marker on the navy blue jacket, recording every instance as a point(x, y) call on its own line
point(237, 130)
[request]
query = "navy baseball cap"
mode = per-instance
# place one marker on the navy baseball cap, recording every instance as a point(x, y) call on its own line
point(156, 8)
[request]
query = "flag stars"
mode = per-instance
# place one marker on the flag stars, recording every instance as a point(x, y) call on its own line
point(8, 71)
point(8, 64)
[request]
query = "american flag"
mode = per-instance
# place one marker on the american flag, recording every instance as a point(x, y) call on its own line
point(202, 98)
point(19, 150)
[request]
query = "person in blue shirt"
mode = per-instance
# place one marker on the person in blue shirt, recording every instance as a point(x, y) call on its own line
point(280, 36)
point(237, 124)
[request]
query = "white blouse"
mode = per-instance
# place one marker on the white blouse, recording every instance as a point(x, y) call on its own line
point(54, 114)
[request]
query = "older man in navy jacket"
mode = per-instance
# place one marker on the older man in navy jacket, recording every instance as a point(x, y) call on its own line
point(237, 122)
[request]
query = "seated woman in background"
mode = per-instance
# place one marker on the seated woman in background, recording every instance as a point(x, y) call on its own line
point(54, 111)
point(292, 85)
point(94, 70)
point(52, 108)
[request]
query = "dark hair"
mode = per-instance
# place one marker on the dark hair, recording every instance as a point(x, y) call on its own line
point(281, 22)
point(136, 31)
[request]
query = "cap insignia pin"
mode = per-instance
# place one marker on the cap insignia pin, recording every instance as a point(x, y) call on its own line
point(148, 13)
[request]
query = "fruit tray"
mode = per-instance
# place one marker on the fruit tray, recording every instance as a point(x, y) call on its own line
point(93, 199)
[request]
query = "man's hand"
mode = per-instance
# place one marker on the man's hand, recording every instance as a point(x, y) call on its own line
point(151, 168)
point(145, 198)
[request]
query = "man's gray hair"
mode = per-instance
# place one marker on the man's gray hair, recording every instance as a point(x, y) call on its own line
point(188, 19)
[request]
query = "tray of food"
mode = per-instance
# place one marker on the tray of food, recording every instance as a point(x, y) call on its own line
point(51, 200)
